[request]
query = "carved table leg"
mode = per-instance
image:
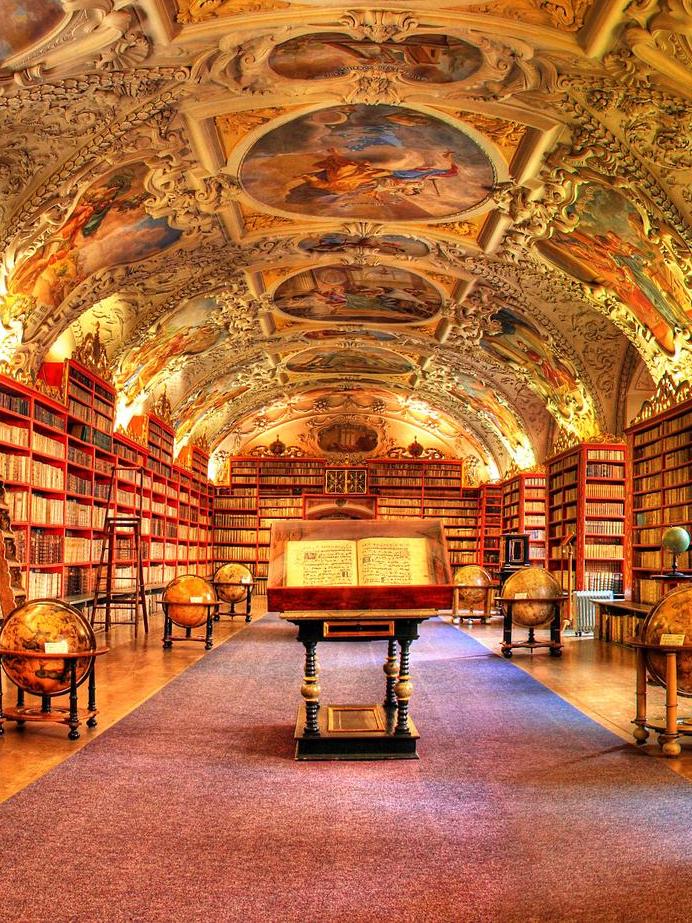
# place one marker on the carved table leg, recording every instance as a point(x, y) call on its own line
point(506, 646)
point(403, 689)
point(210, 629)
point(391, 671)
point(310, 690)
point(669, 741)
point(640, 732)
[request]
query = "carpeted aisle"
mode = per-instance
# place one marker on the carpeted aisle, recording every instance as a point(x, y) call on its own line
point(192, 808)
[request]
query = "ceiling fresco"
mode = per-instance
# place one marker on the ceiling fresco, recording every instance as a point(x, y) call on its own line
point(465, 224)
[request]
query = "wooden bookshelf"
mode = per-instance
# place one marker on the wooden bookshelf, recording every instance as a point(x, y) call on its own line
point(659, 495)
point(490, 527)
point(523, 511)
point(58, 453)
point(586, 498)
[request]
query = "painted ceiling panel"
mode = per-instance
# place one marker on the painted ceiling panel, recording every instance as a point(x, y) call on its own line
point(462, 223)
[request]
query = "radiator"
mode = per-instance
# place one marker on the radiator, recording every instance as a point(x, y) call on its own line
point(585, 619)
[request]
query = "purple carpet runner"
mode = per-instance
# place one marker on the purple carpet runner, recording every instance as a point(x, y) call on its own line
point(192, 808)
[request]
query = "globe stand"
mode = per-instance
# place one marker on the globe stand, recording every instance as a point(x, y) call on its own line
point(71, 715)
point(247, 587)
point(669, 727)
point(554, 645)
point(471, 614)
point(208, 621)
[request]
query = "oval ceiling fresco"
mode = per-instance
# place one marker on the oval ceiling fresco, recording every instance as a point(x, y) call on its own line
point(422, 58)
point(388, 245)
point(25, 23)
point(358, 294)
point(347, 437)
point(381, 162)
point(350, 362)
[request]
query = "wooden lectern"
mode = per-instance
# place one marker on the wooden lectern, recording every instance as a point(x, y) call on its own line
point(361, 604)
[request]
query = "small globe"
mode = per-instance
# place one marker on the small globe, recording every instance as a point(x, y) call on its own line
point(676, 539)
point(532, 583)
point(232, 582)
point(473, 582)
point(30, 628)
point(188, 599)
point(671, 615)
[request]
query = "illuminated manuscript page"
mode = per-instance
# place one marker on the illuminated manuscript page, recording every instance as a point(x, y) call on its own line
point(393, 561)
point(329, 563)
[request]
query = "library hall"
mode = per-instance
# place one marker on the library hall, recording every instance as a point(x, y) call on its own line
point(345, 461)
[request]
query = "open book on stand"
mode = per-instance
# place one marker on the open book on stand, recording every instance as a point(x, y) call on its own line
point(374, 561)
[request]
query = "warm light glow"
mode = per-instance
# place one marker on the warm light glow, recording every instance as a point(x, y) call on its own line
point(125, 411)
point(524, 456)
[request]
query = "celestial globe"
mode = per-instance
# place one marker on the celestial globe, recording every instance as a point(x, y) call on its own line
point(472, 582)
point(37, 626)
point(232, 582)
point(188, 599)
point(671, 615)
point(532, 583)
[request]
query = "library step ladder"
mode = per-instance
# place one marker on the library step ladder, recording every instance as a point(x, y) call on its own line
point(117, 588)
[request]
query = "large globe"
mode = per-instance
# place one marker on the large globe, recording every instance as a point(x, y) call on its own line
point(232, 582)
point(30, 628)
point(188, 599)
point(670, 615)
point(472, 582)
point(532, 583)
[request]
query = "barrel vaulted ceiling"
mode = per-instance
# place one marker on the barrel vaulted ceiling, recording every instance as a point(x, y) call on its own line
point(466, 223)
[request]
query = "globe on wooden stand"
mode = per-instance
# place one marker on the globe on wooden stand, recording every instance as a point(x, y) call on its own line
point(41, 644)
point(531, 598)
point(677, 541)
point(472, 588)
point(234, 583)
point(664, 649)
point(188, 601)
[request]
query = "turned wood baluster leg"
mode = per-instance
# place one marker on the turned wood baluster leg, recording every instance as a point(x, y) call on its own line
point(391, 671)
point(403, 689)
point(310, 690)
point(669, 741)
point(74, 714)
point(640, 732)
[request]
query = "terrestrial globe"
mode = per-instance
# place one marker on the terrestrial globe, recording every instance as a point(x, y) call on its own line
point(532, 583)
point(37, 623)
point(671, 615)
point(676, 539)
point(188, 599)
point(473, 582)
point(232, 582)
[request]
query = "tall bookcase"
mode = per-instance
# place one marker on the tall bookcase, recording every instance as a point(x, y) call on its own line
point(490, 527)
point(57, 455)
point(523, 511)
point(586, 500)
point(659, 494)
point(262, 491)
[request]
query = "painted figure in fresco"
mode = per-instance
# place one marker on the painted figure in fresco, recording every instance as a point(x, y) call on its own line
point(351, 362)
point(362, 161)
point(610, 242)
point(391, 245)
point(107, 226)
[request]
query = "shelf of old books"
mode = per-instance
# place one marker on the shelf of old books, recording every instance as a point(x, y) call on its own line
point(523, 510)
point(586, 513)
point(56, 456)
point(659, 495)
point(490, 527)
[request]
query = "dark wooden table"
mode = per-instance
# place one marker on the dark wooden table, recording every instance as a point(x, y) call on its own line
point(362, 732)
